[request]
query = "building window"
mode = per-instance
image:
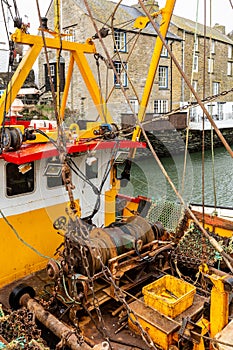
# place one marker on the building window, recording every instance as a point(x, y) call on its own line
point(212, 46)
point(134, 105)
point(216, 88)
point(164, 52)
point(195, 63)
point(220, 110)
point(52, 70)
point(229, 68)
point(163, 77)
point(121, 74)
point(196, 44)
point(120, 41)
point(92, 168)
point(19, 179)
point(160, 106)
point(229, 51)
point(210, 65)
point(71, 34)
point(194, 84)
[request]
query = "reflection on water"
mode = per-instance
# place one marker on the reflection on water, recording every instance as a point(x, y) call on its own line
point(148, 180)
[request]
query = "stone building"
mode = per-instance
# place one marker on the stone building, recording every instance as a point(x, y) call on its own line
point(207, 59)
point(131, 50)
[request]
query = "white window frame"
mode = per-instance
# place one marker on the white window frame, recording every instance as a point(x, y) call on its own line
point(215, 87)
point(71, 34)
point(134, 104)
point(160, 106)
point(122, 73)
point(196, 44)
point(229, 51)
point(212, 46)
point(229, 69)
point(120, 41)
point(163, 77)
point(195, 63)
point(210, 65)
point(52, 70)
point(164, 52)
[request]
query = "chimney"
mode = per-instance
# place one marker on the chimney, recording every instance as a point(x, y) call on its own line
point(151, 5)
point(220, 28)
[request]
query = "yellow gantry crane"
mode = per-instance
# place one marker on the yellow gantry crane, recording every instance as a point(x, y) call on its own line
point(77, 55)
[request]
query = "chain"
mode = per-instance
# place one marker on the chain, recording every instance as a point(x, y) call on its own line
point(120, 295)
point(91, 287)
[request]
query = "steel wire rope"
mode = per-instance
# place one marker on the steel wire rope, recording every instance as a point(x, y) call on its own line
point(8, 76)
point(227, 258)
point(183, 74)
point(123, 69)
point(212, 131)
point(191, 98)
point(108, 57)
point(21, 239)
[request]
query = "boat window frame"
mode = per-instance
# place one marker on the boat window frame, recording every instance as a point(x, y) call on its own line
point(49, 162)
point(20, 177)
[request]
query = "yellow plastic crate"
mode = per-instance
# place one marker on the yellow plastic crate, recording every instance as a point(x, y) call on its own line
point(169, 295)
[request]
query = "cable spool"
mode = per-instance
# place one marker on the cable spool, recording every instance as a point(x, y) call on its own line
point(5, 136)
point(110, 242)
point(16, 138)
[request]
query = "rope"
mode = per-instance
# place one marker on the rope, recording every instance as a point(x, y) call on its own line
point(21, 239)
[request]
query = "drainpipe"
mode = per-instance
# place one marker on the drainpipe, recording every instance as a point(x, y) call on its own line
point(171, 84)
point(183, 66)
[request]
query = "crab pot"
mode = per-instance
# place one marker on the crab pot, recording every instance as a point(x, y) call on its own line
point(169, 295)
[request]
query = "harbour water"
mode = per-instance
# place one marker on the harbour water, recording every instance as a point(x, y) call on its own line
point(147, 178)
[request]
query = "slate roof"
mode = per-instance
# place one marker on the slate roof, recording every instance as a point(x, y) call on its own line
point(124, 16)
point(190, 26)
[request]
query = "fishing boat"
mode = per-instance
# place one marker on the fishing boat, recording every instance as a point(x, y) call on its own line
point(84, 266)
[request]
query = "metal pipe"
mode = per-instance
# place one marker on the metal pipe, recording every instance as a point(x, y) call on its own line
point(53, 324)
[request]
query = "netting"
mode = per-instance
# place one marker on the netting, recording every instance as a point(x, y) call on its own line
point(168, 213)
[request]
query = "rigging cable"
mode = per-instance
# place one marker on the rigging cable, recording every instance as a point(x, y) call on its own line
point(227, 258)
point(226, 145)
point(191, 98)
point(10, 64)
point(212, 131)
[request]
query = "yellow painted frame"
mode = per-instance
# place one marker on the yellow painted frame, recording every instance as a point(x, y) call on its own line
point(77, 54)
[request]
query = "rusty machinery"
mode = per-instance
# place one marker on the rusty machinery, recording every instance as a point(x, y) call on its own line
point(122, 246)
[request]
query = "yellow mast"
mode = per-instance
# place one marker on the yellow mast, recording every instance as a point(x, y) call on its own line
point(140, 23)
point(57, 29)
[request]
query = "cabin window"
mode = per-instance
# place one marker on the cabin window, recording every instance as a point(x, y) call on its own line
point(19, 179)
point(53, 172)
point(120, 41)
point(163, 77)
point(121, 69)
point(92, 168)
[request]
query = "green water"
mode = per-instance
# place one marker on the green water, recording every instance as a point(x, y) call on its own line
point(147, 178)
